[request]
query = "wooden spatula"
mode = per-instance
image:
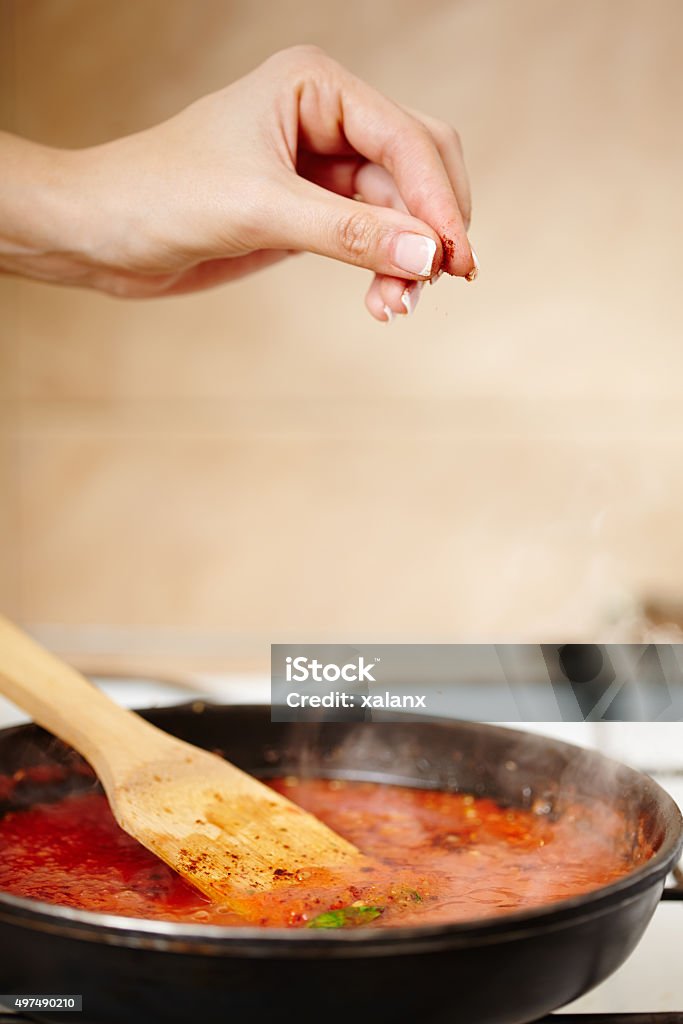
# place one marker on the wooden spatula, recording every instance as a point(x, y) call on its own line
point(222, 830)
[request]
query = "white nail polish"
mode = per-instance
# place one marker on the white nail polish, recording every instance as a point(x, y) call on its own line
point(472, 276)
point(414, 254)
point(431, 250)
point(411, 296)
point(389, 314)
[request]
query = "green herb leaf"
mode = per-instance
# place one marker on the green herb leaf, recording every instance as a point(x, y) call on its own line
point(345, 917)
point(329, 919)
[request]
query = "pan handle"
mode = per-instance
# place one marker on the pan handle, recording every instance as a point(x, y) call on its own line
point(675, 891)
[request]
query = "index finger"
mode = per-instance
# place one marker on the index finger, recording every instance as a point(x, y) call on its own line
point(388, 135)
point(447, 141)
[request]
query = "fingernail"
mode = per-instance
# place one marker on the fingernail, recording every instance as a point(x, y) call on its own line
point(389, 314)
point(472, 276)
point(414, 254)
point(411, 296)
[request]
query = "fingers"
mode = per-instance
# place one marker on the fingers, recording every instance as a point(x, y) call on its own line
point(354, 141)
point(387, 135)
point(378, 238)
point(373, 184)
point(352, 176)
point(447, 141)
point(337, 173)
point(389, 297)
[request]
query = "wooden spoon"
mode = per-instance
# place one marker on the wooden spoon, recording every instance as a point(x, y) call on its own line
point(222, 830)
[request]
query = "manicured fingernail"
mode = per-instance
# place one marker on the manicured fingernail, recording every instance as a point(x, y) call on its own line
point(472, 276)
point(411, 296)
point(389, 314)
point(414, 254)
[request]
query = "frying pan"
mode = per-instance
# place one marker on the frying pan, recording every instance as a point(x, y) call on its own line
point(507, 969)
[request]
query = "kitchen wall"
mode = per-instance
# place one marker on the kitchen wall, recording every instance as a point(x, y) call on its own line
point(191, 478)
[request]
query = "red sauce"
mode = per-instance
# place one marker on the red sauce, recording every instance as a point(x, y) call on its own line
point(439, 857)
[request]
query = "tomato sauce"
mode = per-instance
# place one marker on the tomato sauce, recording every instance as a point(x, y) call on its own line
point(436, 857)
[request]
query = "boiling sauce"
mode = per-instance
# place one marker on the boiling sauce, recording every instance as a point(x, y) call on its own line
point(436, 857)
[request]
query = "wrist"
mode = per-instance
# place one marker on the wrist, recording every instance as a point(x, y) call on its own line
point(43, 211)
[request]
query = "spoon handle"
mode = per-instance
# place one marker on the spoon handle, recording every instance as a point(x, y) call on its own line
point(61, 700)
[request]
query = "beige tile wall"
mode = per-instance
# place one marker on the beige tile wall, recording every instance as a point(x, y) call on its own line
point(264, 462)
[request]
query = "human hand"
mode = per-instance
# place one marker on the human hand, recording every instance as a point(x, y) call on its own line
point(272, 164)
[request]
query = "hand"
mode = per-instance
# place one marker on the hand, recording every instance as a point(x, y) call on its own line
point(273, 164)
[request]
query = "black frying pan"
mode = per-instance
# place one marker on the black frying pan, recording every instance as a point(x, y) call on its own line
point(512, 968)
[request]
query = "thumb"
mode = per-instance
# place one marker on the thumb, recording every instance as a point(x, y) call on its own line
point(378, 238)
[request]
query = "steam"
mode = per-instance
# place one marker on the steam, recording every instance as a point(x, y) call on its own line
point(548, 778)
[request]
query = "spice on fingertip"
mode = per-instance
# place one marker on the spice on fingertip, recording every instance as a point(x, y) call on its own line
point(474, 272)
